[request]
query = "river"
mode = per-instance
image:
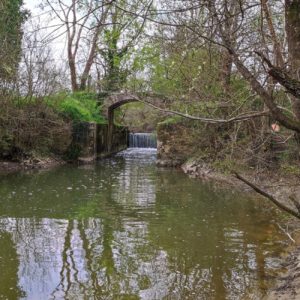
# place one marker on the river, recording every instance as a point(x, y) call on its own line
point(125, 229)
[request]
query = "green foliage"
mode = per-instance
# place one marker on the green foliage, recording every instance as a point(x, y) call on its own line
point(290, 169)
point(42, 126)
point(81, 106)
point(176, 72)
point(118, 43)
point(11, 19)
point(190, 78)
point(138, 117)
point(171, 120)
point(114, 57)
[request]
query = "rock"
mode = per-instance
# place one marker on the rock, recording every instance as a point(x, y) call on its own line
point(168, 163)
point(86, 160)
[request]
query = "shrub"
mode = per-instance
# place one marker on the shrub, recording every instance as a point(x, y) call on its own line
point(32, 128)
point(81, 106)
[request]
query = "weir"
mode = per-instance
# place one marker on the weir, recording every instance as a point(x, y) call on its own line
point(142, 140)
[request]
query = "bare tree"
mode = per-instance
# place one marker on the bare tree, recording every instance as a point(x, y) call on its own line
point(242, 43)
point(39, 74)
point(83, 21)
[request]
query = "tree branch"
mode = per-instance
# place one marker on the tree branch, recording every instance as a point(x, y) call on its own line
point(287, 121)
point(242, 117)
point(269, 196)
point(282, 77)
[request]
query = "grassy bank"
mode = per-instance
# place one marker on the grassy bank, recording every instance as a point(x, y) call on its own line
point(42, 127)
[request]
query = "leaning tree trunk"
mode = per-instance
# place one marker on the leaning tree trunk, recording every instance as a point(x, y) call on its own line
point(226, 70)
point(292, 19)
point(73, 76)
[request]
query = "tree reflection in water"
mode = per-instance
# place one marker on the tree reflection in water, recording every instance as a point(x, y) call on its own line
point(9, 285)
point(126, 230)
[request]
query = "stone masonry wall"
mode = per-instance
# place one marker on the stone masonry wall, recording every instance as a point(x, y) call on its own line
point(90, 141)
point(119, 140)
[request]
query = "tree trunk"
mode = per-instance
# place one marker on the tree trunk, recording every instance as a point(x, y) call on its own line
point(73, 74)
point(93, 48)
point(90, 61)
point(278, 58)
point(285, 120)
point(226, 70)
point(292, 19)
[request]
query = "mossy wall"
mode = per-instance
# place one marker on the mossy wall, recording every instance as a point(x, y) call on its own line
point(119, 140)
point(84, 142)
point(90, 141)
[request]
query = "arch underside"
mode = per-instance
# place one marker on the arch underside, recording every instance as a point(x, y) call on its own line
point(121, 102)
point(117, 101)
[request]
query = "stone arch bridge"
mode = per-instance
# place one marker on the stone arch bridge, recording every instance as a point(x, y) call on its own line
point(113, 101)
point(100, 140)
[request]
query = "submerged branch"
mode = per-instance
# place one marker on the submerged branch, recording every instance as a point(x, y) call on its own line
point(269, 196)
point(287, 233)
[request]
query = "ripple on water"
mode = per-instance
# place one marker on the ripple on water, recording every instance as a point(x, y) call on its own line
point(126, 229)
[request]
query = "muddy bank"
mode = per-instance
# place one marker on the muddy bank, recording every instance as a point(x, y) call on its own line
point(205, 172)
point(7, 167)
point(287, 286)
point(279, 184)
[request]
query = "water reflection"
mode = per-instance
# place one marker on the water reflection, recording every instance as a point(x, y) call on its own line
point(125, 230)
point(9, 287)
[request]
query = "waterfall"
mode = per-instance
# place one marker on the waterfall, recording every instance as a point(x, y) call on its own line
point(142, 140)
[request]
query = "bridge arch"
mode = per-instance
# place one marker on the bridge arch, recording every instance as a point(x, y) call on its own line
point(111, 103)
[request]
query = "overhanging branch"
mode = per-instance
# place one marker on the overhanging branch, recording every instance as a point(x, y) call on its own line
point(268, 196)
point(240, 118)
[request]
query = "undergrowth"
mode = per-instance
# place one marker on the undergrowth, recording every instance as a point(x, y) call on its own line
point(43, 126)
point(79, 106)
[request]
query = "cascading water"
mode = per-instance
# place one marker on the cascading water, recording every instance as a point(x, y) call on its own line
point(142, 140)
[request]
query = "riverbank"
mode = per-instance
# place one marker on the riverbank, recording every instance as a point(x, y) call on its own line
point(281, 186)
point(7, 167)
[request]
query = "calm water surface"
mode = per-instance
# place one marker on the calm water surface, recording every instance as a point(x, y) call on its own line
point(124, 229)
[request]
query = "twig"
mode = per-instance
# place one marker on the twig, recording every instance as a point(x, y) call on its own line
point(287, 233)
